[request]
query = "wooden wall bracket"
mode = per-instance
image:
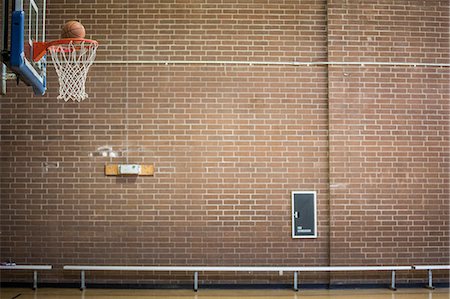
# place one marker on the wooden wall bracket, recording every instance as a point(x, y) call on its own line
point(113, 170)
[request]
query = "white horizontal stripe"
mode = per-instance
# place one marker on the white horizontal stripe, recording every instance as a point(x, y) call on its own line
point(293, 63)
point(431, 267)
point(238, 269)
point(26, 267)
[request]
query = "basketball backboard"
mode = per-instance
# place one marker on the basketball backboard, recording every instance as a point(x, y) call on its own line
point(23, 24)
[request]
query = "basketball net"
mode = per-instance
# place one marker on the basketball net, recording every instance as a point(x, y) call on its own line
point(72, 59)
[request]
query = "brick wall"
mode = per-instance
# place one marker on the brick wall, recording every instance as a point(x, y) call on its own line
point(389, 128)
point(387, 31)
point(389, 179)
point(230, 142)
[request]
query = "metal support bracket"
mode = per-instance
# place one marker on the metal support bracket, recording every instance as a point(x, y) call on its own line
point(392, 287)
point(35, 278)
point(83, 281)
point(10, 76)
point(430, 280)
point(296, 281)
point(195, 281)
point(3, 79)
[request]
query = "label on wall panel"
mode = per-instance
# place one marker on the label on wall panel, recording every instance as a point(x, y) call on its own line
point(304, 214)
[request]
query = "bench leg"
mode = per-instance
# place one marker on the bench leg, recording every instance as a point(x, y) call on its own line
point(195, 281)
point(83, 281)
point(35, 277)
point(392, 287)
point(296, 281)
point(430, 280)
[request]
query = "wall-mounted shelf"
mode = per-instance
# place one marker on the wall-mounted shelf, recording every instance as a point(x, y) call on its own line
point(129, 169)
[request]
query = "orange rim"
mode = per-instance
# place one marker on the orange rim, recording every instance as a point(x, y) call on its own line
point(40, 48)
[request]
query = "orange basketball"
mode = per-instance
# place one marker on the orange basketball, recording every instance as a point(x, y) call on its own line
point(73, 29)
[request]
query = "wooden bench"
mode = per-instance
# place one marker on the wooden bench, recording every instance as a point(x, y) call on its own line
point(430, 268)
point(197, 269)
point(34, 268)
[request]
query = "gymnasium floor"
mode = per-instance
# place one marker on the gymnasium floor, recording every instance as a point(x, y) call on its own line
point(47, 293)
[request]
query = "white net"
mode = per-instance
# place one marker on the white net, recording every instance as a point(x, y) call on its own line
point(72, 61)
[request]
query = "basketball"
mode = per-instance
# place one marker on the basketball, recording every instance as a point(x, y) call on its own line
point(73, 29)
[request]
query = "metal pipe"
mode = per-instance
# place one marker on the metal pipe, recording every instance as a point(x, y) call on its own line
point(5, 26)
point(44, 6)
point(35, 277)
point(18, 6)
point(196, 281)
point(296, 281)
point(3, 78)
point(243, 269)
point(26, 267)
point(431, 267)
point(430, 279)
point(83, 281)
point(4, 56)
point(393, 281)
